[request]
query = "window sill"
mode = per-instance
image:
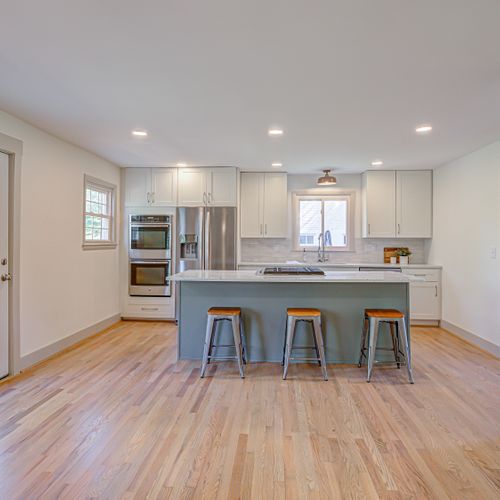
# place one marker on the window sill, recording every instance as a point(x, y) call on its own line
point(99, 246)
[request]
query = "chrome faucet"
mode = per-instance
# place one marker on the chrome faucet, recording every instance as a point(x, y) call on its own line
point(321, 248)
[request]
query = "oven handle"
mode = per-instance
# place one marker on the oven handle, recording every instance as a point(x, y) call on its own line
point(150, 225)
point(165, 262)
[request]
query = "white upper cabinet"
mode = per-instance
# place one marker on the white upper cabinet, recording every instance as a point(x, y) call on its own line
point(192, 187)
point(397, 204)
point(263, 205)
point(221, 187)
point(150, 187)
point(414, 204)
point(164, 187)
point(137, 187)
point(379, 198)
point(251, 204)
point(275, 205)
point(207, 186)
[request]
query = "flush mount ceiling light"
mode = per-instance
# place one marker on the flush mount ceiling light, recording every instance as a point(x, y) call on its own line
point(182, 164)
point(275, 131)
point(276, 164)
point(377, 163)
point(139, 133)
point(327, 179)
point(423, 129)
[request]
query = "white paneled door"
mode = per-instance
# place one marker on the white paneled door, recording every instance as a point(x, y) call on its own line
point(4, 267)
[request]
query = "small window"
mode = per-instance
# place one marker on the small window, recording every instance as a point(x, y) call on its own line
point(99, 213)
point(325, 217)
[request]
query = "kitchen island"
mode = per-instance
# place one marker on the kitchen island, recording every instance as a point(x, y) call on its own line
point(341, 297)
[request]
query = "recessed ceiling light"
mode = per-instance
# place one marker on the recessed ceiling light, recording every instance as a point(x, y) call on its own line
point(182, 164)
point(139, 133)
point(276, 164)
point(377, 163)
point(275, 131)
point(423, 129)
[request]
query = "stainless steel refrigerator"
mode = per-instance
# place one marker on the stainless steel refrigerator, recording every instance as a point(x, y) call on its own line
point(206, 238)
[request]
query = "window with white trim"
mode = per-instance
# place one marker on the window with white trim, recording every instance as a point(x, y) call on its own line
point(99, 213)
point(323, 216)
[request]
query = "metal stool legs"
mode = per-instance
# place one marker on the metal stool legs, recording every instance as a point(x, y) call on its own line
point(398, 331)
point(236, 327)
point(318, 343)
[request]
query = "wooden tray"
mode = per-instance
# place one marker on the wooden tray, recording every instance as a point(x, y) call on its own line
point(391, 252)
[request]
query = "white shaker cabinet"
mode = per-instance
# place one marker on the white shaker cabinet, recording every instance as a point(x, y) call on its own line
point(397, 204)
point(155, 187)
point(137, 187)
point(425, 301)
point(264, 205)
point(192, 187)
point(379, 204)
point(414, 204)
point(214, 187)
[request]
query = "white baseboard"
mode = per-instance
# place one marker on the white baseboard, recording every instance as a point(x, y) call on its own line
point(49, 350)
point(472, 338)
point(424, 322)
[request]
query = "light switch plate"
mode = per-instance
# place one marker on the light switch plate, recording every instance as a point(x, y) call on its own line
point(493, 252)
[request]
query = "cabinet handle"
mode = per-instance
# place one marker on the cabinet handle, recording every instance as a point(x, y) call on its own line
point(147, 198)
point(149, 308)
point(152, 198)
point(369, 229)
point(399, 229)
point(436, 288)
point(261, 229)
point(210, 199)
point(265, 228)
point(204, 198)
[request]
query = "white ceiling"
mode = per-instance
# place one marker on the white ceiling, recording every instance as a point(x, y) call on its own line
point(347, 80)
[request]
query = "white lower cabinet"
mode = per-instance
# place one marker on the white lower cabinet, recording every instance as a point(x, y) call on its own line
point(151, 310)
point(425, 295)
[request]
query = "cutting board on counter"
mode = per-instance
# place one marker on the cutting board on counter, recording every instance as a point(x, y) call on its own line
point(391, 252)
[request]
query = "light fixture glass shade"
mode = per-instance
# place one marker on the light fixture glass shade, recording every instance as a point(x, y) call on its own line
point(327, 179)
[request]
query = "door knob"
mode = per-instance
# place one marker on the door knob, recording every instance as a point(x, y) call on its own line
point(6, 277)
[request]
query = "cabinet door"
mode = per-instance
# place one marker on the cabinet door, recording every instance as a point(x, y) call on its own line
point(425, 301)
point(164, 187)
point(414, 204)
point(275, 205)
point(252, 187)
point(221, 187)
point(380, 204)
point(191, 187)
point(137, 187)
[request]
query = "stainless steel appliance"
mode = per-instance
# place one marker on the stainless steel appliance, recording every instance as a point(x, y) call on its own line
point(149, 278)
point(150, 237)
point(206, 238)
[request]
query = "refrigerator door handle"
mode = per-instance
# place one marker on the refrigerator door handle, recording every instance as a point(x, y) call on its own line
point(206, 264)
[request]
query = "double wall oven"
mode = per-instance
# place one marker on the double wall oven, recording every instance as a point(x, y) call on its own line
point(150, 254)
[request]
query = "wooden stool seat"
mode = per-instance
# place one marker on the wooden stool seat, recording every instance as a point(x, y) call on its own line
point(383, 313)
point(224, 311)
point(302, 311)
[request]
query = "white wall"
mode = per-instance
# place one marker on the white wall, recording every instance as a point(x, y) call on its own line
point(466, 228)
point(64, 288)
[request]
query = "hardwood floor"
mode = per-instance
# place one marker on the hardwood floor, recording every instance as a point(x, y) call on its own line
point(117, 417)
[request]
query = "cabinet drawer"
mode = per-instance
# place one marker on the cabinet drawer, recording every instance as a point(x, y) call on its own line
point(148, 311)
point(425, 274)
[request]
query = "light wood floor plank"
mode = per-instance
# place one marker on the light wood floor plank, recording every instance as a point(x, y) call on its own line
point(119, 417)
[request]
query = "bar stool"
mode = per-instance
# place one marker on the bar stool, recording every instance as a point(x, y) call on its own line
point(313, 317)
point(233, 315)
point(371, 326)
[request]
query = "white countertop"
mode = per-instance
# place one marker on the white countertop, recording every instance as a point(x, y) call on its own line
point(330, 276)
point(347, 265)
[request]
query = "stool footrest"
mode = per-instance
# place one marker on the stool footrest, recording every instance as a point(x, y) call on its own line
point(305, 359)
point(222, 358)
point(303, 347)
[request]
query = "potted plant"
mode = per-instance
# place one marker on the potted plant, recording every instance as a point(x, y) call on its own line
point(404, 255)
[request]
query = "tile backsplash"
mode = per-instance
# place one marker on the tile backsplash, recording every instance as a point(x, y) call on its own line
point(370, 251)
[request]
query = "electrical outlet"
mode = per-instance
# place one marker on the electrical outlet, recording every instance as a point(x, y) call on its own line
point(493, 252)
